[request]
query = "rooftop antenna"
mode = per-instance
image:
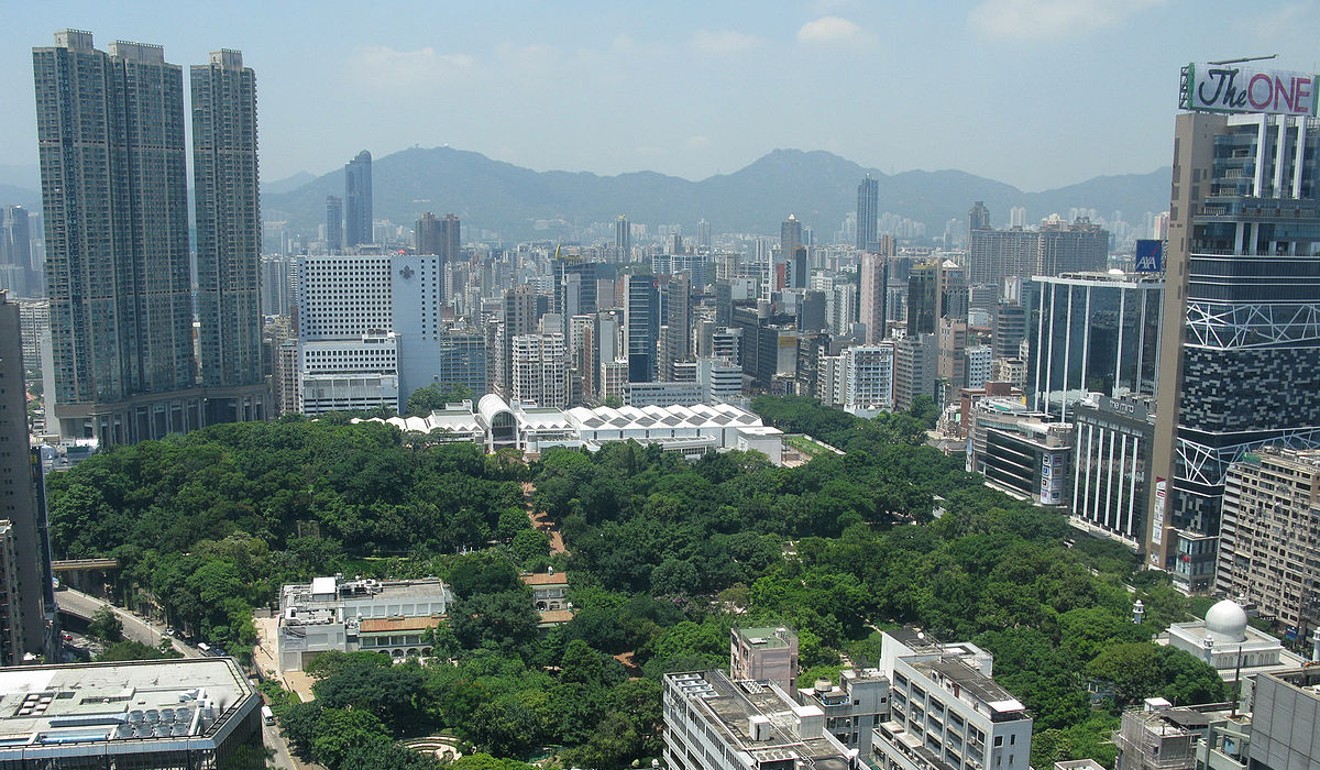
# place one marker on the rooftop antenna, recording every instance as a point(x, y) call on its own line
point(1245, 59)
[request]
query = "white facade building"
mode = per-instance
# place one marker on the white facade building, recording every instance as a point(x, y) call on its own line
point(540, 369)
point(978, 366)
point(712, 723)
point(946, 713)
point(332, 614)
point(869, 379)
point(348, 306)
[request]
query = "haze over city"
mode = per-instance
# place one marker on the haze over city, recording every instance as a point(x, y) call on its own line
point(1036, 93)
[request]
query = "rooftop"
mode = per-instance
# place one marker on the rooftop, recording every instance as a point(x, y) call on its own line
point(734, 707)
point(386, 625)
point(972, 683)
point(767, 637)
point(544, 579)
point(174, 700)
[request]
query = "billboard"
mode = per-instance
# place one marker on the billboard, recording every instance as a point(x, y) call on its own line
point(1149, 257)
point(1239, 88)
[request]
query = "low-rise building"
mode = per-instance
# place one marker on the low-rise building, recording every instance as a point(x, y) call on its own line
point(393, 617)
point(945, 710)
point(713, 723)
point(1226, 641)
point(549, 596)
point(854, 707)
point(768, 654)
point(147, 715)
point(1022, 452)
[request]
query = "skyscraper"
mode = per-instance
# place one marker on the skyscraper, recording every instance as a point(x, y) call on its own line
point(226, 189)
point(439, 237)
point(642, 327)
point(868, 215)
point(18, 273)
point(334, 224)
point(873, 277)
point(790, 240)
point(110, 137)
point(1240, 348)
point(622, 239)
point(357, 201)
point(978, 218)
point(27, 602)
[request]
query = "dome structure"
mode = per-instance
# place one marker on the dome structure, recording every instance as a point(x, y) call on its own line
point(1226, 622)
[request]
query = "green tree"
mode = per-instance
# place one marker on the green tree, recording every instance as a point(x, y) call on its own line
point(423, 401)
point(339, 731)
point(106, 625)
point(128, 649)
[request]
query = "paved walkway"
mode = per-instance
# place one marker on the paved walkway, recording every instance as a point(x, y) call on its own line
point(542, 521)
point(263, 656)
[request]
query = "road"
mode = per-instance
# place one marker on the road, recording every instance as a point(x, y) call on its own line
point(142, 630)
point(136, 628)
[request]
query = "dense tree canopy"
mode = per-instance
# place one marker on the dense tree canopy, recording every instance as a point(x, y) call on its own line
point(666, 555)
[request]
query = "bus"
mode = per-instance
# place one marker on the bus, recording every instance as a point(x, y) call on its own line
point(267, 715)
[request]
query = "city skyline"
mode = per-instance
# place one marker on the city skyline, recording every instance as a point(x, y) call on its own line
point(1093, 85)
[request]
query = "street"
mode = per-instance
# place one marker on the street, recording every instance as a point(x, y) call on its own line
point(135, 628)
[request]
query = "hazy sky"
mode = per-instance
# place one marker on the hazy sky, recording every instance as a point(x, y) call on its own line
point(1036, 93)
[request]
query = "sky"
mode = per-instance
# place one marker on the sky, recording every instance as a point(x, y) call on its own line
point(1035, 93)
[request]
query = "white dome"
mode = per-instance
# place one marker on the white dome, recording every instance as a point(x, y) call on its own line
point(1226, 622)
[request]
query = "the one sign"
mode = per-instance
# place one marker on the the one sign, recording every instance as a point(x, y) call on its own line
point(1149, 256)
point(1238, 88)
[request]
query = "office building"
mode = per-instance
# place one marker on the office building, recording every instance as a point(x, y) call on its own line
point(334, 224)
point(28, 602)
point(1269, 540)
point(976, 365)
point(676, 344)
point(441, 237)
point(369, 329)
point(790, 241)
point(1092, 332)
point(1071, 247)
point(19, 272)
point(1024, 453)
point(642, 327)
point(330, 613)
point(464, 360)
point(226, 191)
point(152, 715)
point(1008, 330)
point(358, 210)
point(622, 240)
point(1239, 359)
point(117, 251)
point(945, 710)
point(712, 723)
point(923, 303)
point(520, 317)
point(1111, 466)
point(1158, 737)
point(978, 218)
point(868, 216)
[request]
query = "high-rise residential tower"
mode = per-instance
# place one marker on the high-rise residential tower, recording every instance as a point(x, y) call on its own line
point(790, 240)
point(868, 215)
point(27, 600)
point(357, 201)
point(110, 138)
point(226, 189)
point(873, 278)
point(1240, 347)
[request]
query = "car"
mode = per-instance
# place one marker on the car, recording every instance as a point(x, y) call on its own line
point(169, 631)
point(67, 637)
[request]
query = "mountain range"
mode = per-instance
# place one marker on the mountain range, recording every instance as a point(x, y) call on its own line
point(819, 187)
